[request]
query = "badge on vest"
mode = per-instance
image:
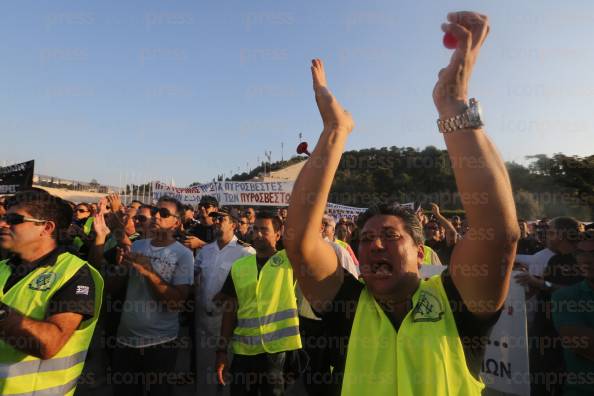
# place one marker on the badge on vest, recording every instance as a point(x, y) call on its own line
point(43, 281)
point(428, 309)
point(276, 261)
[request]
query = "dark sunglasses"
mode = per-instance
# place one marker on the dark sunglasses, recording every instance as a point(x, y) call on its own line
point(165, 213)
point(15, 219)
point(206, 206)
point(82, 210)
point(140, 218)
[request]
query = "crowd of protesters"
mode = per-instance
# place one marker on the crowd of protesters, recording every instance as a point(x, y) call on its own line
point(262, 300)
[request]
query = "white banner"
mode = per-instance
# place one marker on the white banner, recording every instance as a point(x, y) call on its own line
point(343, 211)
point(505, 365)
point(229, 193)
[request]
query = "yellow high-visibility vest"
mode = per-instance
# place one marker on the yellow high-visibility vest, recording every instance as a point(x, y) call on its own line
point(267, 320)
point(87, 227)
point(424, 357)
point(427, 254)
point(23, 374)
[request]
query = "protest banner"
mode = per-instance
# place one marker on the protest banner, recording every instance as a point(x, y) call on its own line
point(229, 193)
point(343, 211)
point(16, 177)
point(505, 365)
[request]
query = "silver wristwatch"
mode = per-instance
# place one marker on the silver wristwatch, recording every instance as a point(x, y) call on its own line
point(471, 118)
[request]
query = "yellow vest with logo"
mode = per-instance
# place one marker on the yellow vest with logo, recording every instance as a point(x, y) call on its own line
point(87, 227)
point(424, 357)
point(23, 374)
point(267, 320)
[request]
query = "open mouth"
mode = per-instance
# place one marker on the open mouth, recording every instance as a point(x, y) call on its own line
point(381, 268)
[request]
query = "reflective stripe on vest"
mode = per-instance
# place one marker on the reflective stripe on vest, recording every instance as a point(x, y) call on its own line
point(267, 318)
point(425, 356)
point(22, 374)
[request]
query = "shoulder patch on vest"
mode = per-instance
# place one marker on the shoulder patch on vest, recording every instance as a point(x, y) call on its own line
point(43, 281)
point(428, 308)
point(276, 261)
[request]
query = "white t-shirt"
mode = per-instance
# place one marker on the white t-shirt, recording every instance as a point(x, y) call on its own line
point(145, 321)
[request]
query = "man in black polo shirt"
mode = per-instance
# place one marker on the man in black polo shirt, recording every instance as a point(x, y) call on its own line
point(31, 323)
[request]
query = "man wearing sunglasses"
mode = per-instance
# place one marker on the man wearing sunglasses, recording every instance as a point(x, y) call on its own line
point(49, 299)
point(212, 267)
point(160, 278)
point(202, 233)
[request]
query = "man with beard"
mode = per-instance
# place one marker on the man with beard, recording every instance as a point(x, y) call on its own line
point(160, 278)
point(211, 269)
point(404, 335)
point(260, 321)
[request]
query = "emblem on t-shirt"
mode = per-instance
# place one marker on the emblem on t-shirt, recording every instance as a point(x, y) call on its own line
point(428, 308)
point(43, 281)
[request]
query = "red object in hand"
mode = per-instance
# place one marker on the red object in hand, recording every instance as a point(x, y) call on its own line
point(449, 41)
point(302, 149)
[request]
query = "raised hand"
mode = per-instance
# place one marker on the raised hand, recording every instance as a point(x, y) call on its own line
point(451, 91)
point(435, 209)
point(100, 227)
point(115, 202)
point(333, 114)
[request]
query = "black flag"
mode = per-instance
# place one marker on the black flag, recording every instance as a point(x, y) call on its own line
point(16, 177)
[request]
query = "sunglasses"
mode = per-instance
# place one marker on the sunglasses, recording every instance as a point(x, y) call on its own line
point(81, 210)
point(15, 219)
point(206, 206)
point(140, 218)
point(165, 213)
point(218, 218)
point(243, 222)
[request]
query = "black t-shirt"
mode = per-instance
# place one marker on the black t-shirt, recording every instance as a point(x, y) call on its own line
point(77, 295)
point(203, 231)
point(229, 288)
point(339, 323)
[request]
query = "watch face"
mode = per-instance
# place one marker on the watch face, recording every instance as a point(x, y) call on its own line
point(475, 113)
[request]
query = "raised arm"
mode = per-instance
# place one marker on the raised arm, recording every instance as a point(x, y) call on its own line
point(314, 261)
point(482, 261)
point(450, 231)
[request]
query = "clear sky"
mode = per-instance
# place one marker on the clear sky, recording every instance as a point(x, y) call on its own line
point(190, 89)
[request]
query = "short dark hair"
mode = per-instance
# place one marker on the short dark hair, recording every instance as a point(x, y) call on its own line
point(411, 222)
point(42, 205)
point(178, 205)
point(277, 223)
point(149, 207)
point(188, 207)
point(567, 227)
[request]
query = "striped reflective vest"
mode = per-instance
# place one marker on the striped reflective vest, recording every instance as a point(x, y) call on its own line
point(87, 227)
point(424, 357)
point(23, 374)
point(267, 320)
